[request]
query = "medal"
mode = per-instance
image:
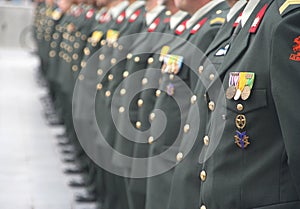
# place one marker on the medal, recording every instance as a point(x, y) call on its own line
point(241, 139)
point(230, 92)
point(246, 93)
point(241, 84)
point(249, 84)
point(233, 81)
point(170, 89)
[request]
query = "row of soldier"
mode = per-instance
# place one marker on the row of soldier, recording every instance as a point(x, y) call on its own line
point(177, 103)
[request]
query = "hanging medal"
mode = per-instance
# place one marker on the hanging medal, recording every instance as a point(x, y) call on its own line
point(240, 86)
point(233, 82)
point(249, 84)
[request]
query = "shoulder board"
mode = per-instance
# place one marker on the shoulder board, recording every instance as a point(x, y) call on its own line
point(288, 6)
point(217, 21)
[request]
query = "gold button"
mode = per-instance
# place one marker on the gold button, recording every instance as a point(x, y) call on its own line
point(193, 99)
point(83, 37)
point(53, 44)
point(150, 60)
point(60, 54)
point(172, 76)
point(74, 68)
point(206, 140)
point(87, 51)
point(218, 12)
point(125, 74)
point(123, 92)
point(129, 56)
point(103, 42)
point(77, 34)
point(81, 77)
point(138, 124)
point(152, 116)
point(115, 44)
point(52, 53)
point(94, 44)
point(203, 207)
point(83, 64)
point(110, 77)
point(76, 45)
point(150, 139)
point(168, 13)
point(179, 156)
point(211, 105)
point(69, 60)
point(211, 77)
point(140, 102)
point(158, 92)
point(137, 59)
point(144, 81)
point(186, 128)
point(99, 71)
point(239, 107)
point(120, 47)
point(89, 40)
point(203, 175)
point(121, 109)
point(101, 57)
point(113, 61)
point(99, 86)
point(75, 56)
point(200, 69)
point(107, 93)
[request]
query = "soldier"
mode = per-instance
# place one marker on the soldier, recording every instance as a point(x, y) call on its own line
point(251, 158)
point(186, 180)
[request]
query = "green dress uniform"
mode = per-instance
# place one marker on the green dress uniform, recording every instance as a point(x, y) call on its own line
point(200, 30)
point(252, 158)
point(186, 179)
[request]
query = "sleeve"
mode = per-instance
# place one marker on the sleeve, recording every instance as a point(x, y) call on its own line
point(285, 81)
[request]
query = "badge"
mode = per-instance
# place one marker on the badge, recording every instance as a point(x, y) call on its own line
point(96, 36)
point(246, 92)
point(180, 28)
point(172, 64)
point(170, 89)
point(90, 14)
point(296, 49)
point(241, 139)
point(121, 17)
point(222, 51)
point(134, 16)
point(112, 36)
point(164, 51)
point(233, 82)
point(240, 121)
point(258, 19)
point(198, 26)
point(154, 25)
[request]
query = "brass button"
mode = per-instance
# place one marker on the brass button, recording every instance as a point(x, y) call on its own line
point(99, 71)
point(77, 34)
point(150, 140)
point(52, 53)
point(144, 81)
point(200, 69)
point(138, 124)
point(75, 56)
point(87, 51)
point(171, 76)
point(137, 59)
point(121, 109)
point(158, 92)
point(103, 42)
point(203, 175)
point(218, 12)
point(206, 140)
point(113, 61)
point(168, 13)
point(83, 64)
point(152, 116)
point(76, 45)
point(211, 77)
point(186, 128)
point(107, 93)
point(120, 47)
point(140, 102)
point(193, 99)
point(123, 92)
point(99, 86)
point(69, 60)
point(150, 60)
point(83, 37)
point(239, 107)
point(125, 74)
point(203, 207)
point(94, 44)
point(81, 77)
point(179, 156)
point(110, 77)
point(129, 56)
point(101, 57)
point(211, 105)
point(74, 68)
point(115, 44)
point(53, 44)
point(89, 40)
